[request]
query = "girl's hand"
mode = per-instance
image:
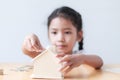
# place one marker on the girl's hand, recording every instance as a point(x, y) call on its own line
point(31, 46)
point(32, 43)
point(70, 61)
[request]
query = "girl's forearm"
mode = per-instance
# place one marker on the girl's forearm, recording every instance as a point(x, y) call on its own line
point(93, 60)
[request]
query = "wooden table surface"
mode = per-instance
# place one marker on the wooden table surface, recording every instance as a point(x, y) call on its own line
point(23, 71)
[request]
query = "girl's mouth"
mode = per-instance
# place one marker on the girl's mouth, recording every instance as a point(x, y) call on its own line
point(61, 46)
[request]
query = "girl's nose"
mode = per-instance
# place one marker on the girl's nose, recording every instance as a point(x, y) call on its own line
point(61, 37)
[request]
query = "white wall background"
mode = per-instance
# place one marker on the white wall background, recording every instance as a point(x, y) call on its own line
point(101, 22)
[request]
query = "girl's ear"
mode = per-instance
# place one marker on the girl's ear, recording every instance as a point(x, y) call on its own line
point(80, 36)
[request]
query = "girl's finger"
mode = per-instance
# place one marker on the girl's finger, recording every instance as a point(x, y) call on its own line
point(66, 58)
point(38, 48)
point(65, 66)
point(69, 68)
point(29, 46)
point(35, 45)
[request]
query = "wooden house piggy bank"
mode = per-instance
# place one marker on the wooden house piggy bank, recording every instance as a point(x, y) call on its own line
point(46, 65)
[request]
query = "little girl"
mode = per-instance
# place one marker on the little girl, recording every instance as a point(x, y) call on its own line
point(64, 30)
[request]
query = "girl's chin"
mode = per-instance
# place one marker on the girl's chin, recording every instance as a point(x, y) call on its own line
point(61, 51)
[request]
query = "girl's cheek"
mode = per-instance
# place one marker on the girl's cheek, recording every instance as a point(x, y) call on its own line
point(53, 42)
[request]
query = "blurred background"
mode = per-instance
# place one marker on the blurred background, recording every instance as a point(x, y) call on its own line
point(101, 26)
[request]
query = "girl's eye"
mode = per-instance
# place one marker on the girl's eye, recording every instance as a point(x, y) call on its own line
point(54, 32)
point(68, 32)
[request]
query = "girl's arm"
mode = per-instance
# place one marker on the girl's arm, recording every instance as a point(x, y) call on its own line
point(93, 60)
point(31, 46)
point(75, 60)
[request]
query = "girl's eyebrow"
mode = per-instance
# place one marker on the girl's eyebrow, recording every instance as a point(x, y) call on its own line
point(53, 29)
point(63, 29)
point(67, 29)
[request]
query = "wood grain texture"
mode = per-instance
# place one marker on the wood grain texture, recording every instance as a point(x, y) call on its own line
point(22, 71)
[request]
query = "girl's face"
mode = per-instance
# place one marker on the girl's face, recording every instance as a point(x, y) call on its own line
point(63, 35)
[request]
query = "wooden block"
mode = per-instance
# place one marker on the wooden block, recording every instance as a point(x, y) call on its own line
point(1, 71)
point(46, 65)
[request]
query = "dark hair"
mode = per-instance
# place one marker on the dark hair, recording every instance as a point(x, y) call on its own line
point(70, 14)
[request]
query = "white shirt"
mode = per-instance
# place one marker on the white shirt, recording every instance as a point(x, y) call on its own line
point(78, 51)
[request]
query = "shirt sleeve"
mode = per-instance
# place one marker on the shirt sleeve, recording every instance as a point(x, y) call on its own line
point(78, 52)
